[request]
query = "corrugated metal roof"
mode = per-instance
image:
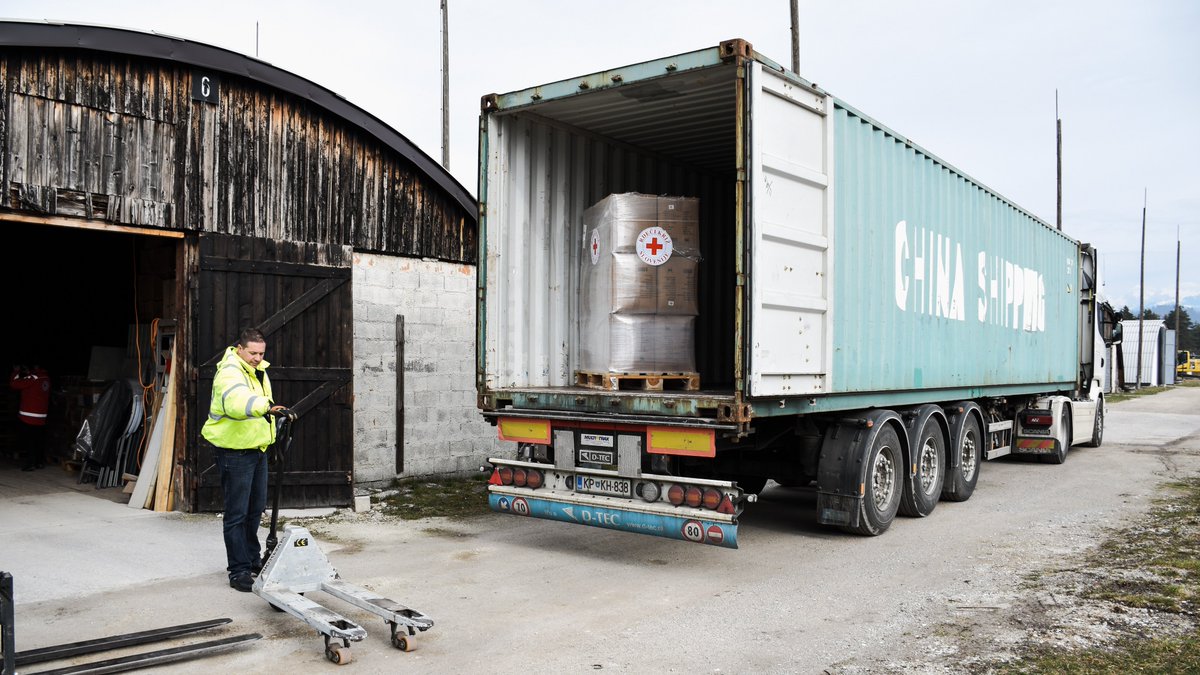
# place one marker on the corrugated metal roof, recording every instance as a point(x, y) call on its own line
point(16, 33)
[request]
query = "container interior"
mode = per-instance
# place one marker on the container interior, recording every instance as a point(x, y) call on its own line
point(549, 161)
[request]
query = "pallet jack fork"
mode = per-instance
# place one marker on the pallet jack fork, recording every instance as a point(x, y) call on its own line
point(297, 565)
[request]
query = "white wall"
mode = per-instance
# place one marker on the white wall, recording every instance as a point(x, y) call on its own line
point(443, 431)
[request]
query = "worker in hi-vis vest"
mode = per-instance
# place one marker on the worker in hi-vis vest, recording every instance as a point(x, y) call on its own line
point(239, 428)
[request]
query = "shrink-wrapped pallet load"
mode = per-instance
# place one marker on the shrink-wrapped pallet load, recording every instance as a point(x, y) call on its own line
point(638, 300)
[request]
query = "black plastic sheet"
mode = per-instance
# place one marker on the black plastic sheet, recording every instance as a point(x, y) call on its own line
point(97, 438)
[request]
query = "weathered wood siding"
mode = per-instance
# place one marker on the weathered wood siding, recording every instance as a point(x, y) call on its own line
point(121, 139)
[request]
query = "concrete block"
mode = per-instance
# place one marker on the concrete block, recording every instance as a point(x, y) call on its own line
point(362, 503)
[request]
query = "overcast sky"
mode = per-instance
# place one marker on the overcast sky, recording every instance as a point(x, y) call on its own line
point(972, 82)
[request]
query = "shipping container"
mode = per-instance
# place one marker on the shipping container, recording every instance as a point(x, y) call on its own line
point(842, 268)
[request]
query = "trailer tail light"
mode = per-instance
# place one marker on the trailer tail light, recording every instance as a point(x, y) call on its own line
point(693, 496)
point(711, 499)
point(726, 506)
point(648, 491)
point(675, 495)
point(519, 477)
point(1037, 418)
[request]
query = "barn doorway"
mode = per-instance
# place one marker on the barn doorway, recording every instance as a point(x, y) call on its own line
point(81, 303)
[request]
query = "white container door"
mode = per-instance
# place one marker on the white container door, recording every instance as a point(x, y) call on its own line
point(791, 236)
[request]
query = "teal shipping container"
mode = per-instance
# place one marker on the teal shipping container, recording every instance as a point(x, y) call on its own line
point(841, 264)
point(854, 314)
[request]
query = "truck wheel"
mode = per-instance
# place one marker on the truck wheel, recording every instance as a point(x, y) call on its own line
point(1064, 424)
point(1098, 427)
point(921, 494)
point(968, 449)
point(881, 500)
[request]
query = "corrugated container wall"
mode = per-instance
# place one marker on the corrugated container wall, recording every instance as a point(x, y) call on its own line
point(938, 281)
point(837, 258)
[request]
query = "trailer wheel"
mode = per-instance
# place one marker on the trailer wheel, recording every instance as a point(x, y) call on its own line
point(881, 496)
point(968, 449)
point(1098, 427)
point(921, 494)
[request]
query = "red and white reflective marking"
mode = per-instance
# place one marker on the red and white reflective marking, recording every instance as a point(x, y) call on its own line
point(715, 534)
point(654, 245)
point(693, 531)
point(520, 506)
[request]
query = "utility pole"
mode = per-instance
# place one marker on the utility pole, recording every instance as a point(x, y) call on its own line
point(1178, 336)
point(1058, 125)
point(1142, 292)
point(445, 86)
point(796, 36)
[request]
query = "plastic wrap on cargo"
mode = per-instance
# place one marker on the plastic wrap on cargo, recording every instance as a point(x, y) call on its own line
point(642, 259)
point(640, 343)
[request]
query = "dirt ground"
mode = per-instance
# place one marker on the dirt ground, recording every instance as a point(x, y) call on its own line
point(970, 586)
point(1054, 607)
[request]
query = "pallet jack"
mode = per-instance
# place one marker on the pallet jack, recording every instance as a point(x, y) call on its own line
point(297, 565)
point(11, 659)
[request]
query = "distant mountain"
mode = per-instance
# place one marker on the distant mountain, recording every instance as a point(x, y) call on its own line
point(1190, 304)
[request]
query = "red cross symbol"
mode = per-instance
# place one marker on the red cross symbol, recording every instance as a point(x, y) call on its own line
point(595, 247)
point(654, 246)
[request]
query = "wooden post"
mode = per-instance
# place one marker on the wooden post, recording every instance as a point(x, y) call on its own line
point(399, 394)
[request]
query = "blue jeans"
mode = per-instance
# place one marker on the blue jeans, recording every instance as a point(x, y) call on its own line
point(244, 482)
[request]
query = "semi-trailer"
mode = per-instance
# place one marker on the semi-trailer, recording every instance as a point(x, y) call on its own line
point(703, 272)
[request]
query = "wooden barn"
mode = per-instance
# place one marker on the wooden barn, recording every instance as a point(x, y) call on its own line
point(158, 194)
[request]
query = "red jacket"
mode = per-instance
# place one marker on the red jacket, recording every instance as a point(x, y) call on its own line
point(35, 395)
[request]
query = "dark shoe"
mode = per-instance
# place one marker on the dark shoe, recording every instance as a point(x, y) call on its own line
point(256, 567)
point(242, 582)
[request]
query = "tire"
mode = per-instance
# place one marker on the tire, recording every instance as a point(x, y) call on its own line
point(1098, 426)
point(1060, 456)
point(884, 487)
point(921, 494)
point(968, 450)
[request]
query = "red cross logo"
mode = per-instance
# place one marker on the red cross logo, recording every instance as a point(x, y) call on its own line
point(595, 247)
point(654, 246)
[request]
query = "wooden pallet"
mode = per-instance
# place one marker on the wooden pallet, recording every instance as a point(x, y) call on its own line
point(638, 381)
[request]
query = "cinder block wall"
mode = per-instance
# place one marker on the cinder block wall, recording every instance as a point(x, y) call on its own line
point(444, 434)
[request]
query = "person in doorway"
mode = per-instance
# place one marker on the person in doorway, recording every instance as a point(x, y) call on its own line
point(34, 384)
point(238, 426)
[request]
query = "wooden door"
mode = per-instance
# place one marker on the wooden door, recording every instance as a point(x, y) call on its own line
point(299, 295)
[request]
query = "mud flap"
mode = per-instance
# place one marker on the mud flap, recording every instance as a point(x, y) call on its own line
point(842, 470)
point(693, 529)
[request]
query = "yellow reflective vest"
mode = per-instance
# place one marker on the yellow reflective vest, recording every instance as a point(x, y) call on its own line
point(239, 402)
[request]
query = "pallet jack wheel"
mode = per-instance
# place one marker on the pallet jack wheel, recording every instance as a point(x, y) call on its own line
point(403, 642)
point(339, 655)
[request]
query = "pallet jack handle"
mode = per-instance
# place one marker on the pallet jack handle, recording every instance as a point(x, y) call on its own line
point(284, 419)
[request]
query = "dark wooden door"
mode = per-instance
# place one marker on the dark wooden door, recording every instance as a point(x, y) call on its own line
point(299, 296)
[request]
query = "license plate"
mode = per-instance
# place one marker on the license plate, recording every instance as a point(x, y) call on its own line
point(611, 487)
